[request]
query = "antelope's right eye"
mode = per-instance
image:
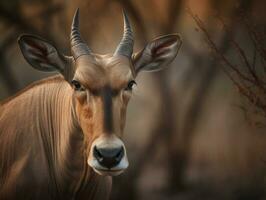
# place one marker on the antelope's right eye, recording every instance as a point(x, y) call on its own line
point(76, 85)
point(130, 85)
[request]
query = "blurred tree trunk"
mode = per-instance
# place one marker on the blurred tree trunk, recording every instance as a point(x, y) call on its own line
point(7, 75)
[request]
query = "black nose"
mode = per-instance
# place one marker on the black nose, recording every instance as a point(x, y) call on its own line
point(108, 157)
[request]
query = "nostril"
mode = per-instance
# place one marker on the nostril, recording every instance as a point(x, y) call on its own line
point(120, 154)
point(97, 154)
point(108, 157)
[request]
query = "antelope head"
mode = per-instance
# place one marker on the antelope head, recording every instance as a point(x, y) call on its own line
point(102, 86)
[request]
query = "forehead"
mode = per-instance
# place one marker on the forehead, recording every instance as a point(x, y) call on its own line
point(100, 70)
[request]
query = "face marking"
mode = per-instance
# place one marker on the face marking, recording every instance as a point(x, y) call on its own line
point(107, 108)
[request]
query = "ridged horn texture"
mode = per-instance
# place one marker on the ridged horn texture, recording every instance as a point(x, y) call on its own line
point(125, 47)
point(78, 46)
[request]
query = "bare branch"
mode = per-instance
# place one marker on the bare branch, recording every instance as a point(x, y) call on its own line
point(250, 85)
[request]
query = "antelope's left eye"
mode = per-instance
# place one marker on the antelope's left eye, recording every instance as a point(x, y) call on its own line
point(77, 86)
point(130, 85)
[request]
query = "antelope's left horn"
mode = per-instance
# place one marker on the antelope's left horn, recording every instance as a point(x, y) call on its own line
point(125, 47)
point(78, 46)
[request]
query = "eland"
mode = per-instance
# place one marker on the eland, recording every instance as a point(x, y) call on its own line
point(62, 137)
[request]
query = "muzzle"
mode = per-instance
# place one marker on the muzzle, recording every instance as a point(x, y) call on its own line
point(108, 156)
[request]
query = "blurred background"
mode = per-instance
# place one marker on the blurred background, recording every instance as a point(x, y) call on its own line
point(189, 132)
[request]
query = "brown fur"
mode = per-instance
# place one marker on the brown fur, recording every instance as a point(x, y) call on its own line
point(44, 147)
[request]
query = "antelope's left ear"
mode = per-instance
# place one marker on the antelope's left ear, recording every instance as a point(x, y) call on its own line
point(43, 56)
point(158, 53)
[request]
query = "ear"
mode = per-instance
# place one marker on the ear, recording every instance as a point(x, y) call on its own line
point(42, 55)
point(158, 53)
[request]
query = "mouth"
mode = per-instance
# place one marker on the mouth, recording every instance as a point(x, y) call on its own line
point(108, 172)
point(104, 171)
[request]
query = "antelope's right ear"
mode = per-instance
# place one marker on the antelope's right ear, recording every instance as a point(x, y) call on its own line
point(42, 55)
point(157, 54)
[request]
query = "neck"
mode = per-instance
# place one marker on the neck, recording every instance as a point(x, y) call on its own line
point(66, 155)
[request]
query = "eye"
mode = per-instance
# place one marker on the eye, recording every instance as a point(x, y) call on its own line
point(77, 86)
point(130, 85)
